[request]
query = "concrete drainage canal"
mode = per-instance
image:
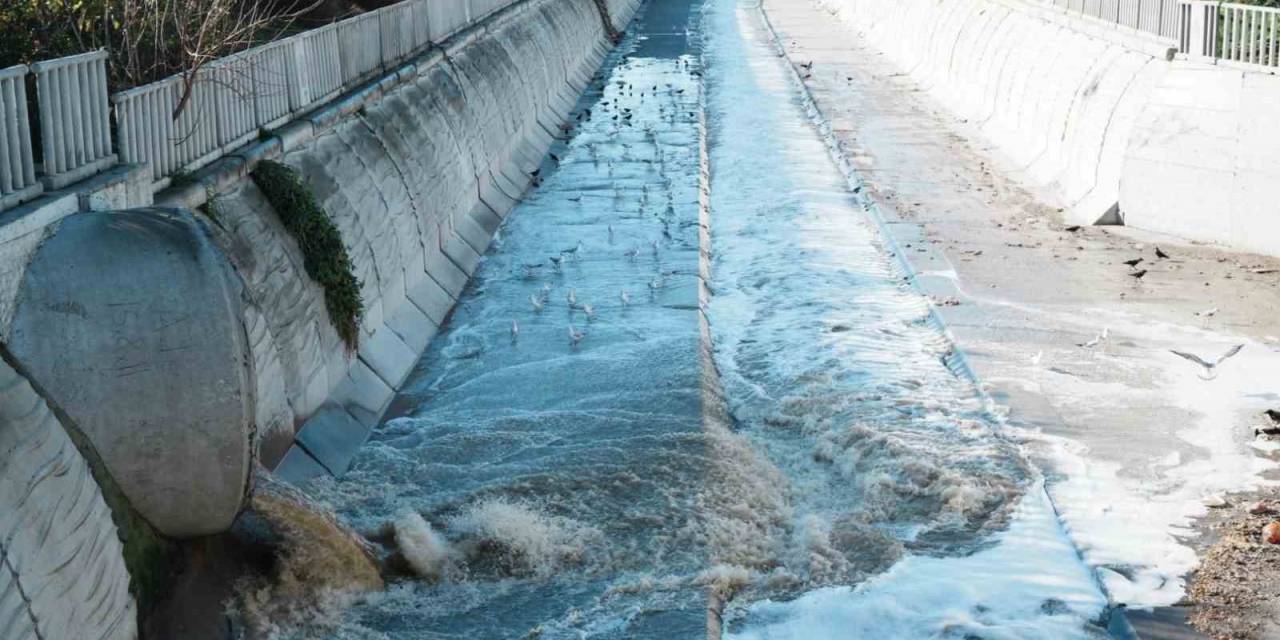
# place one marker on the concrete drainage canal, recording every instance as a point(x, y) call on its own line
point(689, 391)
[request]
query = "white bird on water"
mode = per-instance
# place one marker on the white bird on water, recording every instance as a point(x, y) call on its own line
point(625, 298)
point(537, 304)
point(655, 283)
point(515, 330)
point(1035, 360)
point(572, 298)
point(575, 336)
point(632, 253)
point(591, 313)
point(557, 261)
point(1210, 366)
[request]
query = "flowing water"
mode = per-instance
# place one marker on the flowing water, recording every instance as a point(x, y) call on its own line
point(722, 386)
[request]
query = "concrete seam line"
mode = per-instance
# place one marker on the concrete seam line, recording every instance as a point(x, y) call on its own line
point(17, 582)
point(1106, 130)
point(359, 220)
point(303, 447)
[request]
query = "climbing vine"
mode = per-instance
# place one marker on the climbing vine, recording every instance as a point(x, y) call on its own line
point(324, 255)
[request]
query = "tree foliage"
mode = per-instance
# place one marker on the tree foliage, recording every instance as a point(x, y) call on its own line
point(146, 39)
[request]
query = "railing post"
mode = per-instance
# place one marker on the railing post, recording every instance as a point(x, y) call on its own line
point(74, 117)
point(17, 166)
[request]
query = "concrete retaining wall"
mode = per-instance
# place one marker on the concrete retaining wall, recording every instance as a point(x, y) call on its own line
point(61, 570)
point(1091, 115)
point(1204, 158)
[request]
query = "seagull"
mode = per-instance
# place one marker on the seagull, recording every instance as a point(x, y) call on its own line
point(632, 253)
point(1210, 368)
point(656, 283)
point(1097, 340)
point(515, 330)
point(537, 304)
point(575, 336)
point(572, 298)
point(557, 261)
point(572, 252)
point(625, 298)
point(1208, 314)
point(1035, 360)
point(610, 234)
point(546, 290)
point(655, 247)
point(591, 313)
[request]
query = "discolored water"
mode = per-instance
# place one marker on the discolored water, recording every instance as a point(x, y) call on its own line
point(664, 383)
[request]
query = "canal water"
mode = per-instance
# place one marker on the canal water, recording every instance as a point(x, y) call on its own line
point(691, 381)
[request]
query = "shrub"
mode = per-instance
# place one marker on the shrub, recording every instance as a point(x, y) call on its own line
point(324, 255)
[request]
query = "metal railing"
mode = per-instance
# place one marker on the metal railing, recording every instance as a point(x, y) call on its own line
point(17, 166)
point(1244, 33)
point(235, 97)
point(1158, 17)
point(183, 122)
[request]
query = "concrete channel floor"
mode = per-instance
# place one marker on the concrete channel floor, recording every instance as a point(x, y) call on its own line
point(1132, 446)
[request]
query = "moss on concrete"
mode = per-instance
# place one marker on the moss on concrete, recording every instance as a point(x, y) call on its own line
point(324, 255)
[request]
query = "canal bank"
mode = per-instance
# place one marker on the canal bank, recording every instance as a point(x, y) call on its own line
point(1136, 448)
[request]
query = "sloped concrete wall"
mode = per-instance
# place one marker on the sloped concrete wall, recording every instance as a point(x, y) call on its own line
point(1055, 95)
point(417, 183)
point(1095, 116)
point(61, 570)
point(1204, 160)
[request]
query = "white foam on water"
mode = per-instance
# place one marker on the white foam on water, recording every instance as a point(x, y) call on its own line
point(831, 365)
point(528, 537)
point(1029, 584)
point(1130, 498)
point(428, 552)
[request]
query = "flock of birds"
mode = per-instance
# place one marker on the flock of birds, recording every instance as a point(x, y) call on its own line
point(538, 301)
point(611, 110)
point(1208, 366)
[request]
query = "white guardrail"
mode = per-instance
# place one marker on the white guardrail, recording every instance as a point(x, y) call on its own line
point(1158, 17)
point(75, 122)
point(17, 168)
point(237, 96)
point(227, 103)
